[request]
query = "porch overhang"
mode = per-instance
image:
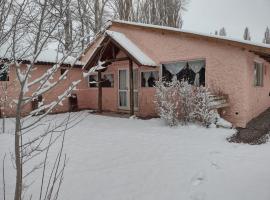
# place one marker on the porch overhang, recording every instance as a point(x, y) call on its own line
point(111, 44)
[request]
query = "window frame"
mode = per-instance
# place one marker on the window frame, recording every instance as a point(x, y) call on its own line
point(187, 67)
point(102, 75)
point(88, 81)
point(258, 68)
point(148, 71)
point(102, 78)
point(6, 74)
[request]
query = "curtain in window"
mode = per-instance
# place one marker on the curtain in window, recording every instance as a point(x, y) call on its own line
point(196, 67)
point(146, 76)
point(175, 68)
point(155, 75)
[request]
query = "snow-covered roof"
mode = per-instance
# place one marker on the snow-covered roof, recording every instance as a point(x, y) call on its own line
point(47, 55)
point(193, 32)
point(131, 48)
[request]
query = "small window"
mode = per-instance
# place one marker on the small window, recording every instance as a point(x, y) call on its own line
point(148, 79)
point(258, 74)
point(63, 70)
point(93, 81)
point(107, 81)
point(4, 73)
point(37, 102)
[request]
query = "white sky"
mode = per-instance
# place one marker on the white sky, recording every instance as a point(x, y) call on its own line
point(206, 16)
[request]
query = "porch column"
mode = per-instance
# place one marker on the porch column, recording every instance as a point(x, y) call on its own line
point(99, 92)
point(131, 88)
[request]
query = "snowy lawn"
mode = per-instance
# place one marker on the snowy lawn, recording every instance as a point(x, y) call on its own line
point(129, 159)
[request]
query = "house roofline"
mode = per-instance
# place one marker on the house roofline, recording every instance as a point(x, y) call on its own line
point(261, 49)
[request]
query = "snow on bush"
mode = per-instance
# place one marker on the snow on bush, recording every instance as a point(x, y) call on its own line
point(202, 110)
point(167, 101)
point(178, 102)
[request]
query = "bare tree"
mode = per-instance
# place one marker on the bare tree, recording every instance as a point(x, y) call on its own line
point(30, 31)
point(247, 34)
point(157, 12)
point(123, 9)
point(222, 32)
point(266, 38)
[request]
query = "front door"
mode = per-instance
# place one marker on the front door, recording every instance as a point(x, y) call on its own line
point(123, 89)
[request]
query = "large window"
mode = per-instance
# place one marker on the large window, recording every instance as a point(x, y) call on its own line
point(258, 74)
point(107, 81)
point(4, 73)
point(148, 79)
point(191, 71)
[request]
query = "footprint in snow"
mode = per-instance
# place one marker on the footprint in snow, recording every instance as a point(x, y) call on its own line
point(215, 165)
point(198, 179)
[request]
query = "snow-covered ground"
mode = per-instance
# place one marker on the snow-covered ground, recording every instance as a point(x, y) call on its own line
point(130, 159)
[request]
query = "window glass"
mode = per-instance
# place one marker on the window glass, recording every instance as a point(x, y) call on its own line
point(107, 81)
point(93, 81)
point(4, 73)
point(258, 74)
point(191, 71)
point(62, 71)
point(148, 79)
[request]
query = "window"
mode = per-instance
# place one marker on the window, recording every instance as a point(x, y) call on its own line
point(93, 81)
point(191, 71)
point(4, 73)
point(107, 80)
point(37, 102)
point(62, 70)
point(258, 74)
point(148, 79)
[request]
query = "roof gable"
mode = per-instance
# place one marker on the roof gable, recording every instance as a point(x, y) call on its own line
point(112, 39)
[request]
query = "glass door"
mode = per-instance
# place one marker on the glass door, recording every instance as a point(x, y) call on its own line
point(123, 89)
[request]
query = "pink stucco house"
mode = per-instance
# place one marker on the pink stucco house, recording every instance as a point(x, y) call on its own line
point(126, 51)
point(146, 53)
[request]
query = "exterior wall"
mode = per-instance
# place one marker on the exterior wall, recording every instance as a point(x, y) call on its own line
point(225, 65)
point(258, 97)
point(74, 75)
point(227, 69)
point(110, 95)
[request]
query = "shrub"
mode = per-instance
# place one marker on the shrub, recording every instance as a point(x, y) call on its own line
point(179, 102)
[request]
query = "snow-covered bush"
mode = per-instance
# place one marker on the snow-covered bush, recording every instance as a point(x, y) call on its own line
point(202, 110)
point(179, 102)
point(185, 92)
point(167, 101)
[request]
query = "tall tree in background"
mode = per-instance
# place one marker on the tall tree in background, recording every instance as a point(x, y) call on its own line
point(266, 38)
point(123, 9)
point(247, 34)
point(222, 32)
point(157, 12)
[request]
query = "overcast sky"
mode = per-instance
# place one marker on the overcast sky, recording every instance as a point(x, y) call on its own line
point(206, 16)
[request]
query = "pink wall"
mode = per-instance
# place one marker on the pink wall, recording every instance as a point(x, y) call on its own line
point(258, 97)
point(228, 70)
point(75, 74)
